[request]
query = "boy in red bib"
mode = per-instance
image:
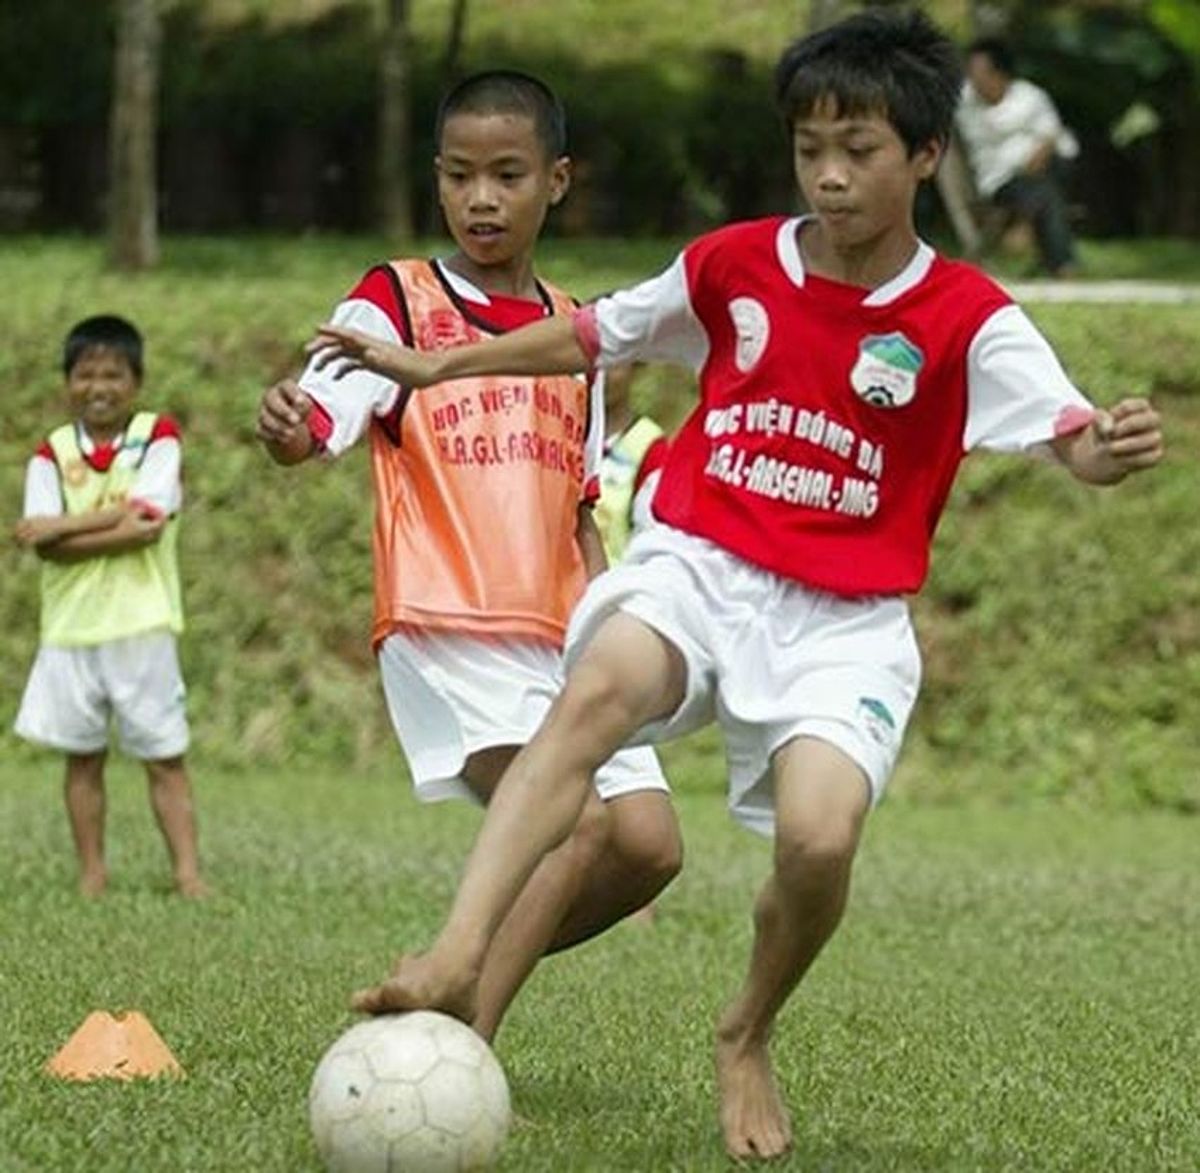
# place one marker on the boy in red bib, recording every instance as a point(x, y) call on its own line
point(845, 369)
point(484, 538)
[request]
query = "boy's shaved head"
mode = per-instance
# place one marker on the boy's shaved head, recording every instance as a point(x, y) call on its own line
point(507, 91)
point(896, 64)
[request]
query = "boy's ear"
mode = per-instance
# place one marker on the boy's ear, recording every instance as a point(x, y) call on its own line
point(560, 179)
point(928, 157)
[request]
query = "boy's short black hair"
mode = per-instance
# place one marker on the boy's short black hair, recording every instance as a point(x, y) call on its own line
point(508, 91)
point(103, 332)
point(998, 52)
point(897, 64)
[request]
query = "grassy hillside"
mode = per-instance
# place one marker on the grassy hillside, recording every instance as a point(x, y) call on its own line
point(1061, 625)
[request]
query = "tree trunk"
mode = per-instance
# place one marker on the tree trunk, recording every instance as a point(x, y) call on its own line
point(455, 36)
point(395, 125)
point(133, 198)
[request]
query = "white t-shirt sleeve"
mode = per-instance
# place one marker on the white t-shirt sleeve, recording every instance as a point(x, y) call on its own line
point(1044, 121)
point(43, 492)
point(1018, 395)
point(593, 442)
point(640, 512)
point(158, 481)
point(652, 322)
point(352, 401)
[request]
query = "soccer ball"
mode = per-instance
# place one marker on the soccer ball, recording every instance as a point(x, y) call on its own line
point(408, 1093)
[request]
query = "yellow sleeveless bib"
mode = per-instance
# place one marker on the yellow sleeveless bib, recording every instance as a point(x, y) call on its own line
point(111, 596)
point(614, 510)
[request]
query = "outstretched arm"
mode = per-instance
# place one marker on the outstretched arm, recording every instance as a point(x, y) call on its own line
point(548, 347)
point(590, 543)
point(1126, 439)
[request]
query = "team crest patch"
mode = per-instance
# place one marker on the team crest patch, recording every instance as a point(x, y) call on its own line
point(877, 717)
point(442, 329)
point(75, 473)
point(753, 329)
point(885, 374)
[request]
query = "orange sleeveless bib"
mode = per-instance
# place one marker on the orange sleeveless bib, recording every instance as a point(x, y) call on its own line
point(477, 489)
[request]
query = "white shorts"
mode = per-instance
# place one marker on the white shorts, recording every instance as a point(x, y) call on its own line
point(451, 695)
point(767, 658)
point(73, 695)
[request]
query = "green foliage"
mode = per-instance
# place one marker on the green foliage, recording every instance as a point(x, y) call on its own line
point(1059, 625)
point(1005, 993)
point(268, 110)
point(255, 75)
point(35, 42)
point(1180, 21)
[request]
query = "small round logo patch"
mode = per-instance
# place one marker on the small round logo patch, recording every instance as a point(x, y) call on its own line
point(753, 329)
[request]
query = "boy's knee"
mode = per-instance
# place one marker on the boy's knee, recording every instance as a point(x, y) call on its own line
point(652, 847)
point(86, 767)
point(640, 833)
point(814, 848)
point(591, 833)
point(593, 695)
point(166, 773)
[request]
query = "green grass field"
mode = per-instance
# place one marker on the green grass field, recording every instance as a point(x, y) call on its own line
point(1012, 988)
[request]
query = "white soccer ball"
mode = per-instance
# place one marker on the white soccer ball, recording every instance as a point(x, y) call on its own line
point(408, 1093)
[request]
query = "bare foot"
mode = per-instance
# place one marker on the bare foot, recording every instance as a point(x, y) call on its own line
point(92, 884)
point(420, 982)
point(753, 1119)
point(192, 888)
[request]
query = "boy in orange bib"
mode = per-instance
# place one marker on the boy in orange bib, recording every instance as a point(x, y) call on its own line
point(484, 538)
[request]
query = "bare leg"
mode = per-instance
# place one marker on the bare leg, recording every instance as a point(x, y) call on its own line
point(821, 799)
point(171, 798)
point(526, 932)
point(620, 854)
point(644, 853)
point(628, 676)
point(83, 791)
point(555, 885)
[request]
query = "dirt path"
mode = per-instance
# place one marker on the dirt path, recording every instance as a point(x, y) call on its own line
point(1106, 292)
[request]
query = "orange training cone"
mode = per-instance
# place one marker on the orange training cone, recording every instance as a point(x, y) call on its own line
point(124, 1047)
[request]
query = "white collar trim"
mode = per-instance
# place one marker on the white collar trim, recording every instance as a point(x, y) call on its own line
point(464, 288)
point(787, 248)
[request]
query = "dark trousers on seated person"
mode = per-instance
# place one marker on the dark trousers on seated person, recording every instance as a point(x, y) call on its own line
point(1039, 199)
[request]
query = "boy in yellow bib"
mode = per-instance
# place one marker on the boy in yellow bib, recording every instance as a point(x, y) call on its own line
point(102, 495)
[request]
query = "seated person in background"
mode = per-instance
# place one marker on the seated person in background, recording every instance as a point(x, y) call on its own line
point(1015, 142)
